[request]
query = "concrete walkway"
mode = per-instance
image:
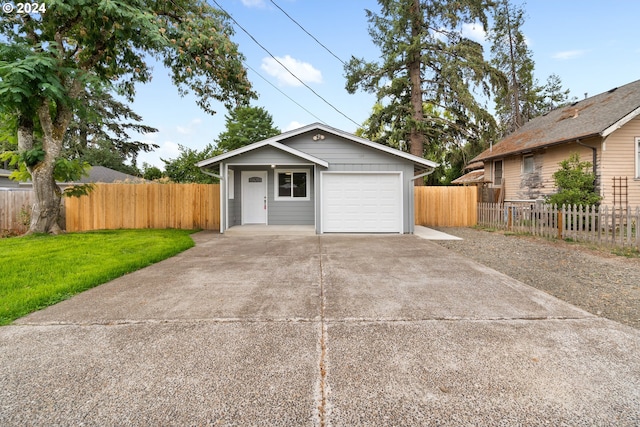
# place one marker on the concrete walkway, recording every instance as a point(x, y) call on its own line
point(317, 331)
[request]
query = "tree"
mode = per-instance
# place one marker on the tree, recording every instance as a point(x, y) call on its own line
point(552, 95)
point(246, 125)
point(99, 133)
point(48, 61)
point(425, 60)
point(517, 100)
point(150, 172)
point(575, 182)
point(184, 169)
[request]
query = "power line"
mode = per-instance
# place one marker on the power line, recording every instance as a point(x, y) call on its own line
point(278, 89)
point(310, 35)
point(284, 66)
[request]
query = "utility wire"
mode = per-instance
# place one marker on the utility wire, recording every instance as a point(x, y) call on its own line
point(308, 33)
point(284, 66)
point(278, 89)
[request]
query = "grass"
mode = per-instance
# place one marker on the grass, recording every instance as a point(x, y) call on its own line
point(40, 270)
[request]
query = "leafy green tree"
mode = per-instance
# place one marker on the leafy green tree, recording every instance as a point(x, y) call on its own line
point(517, 100)
point(183, 168)
point(426, 60)
point(246, 125)
point(575, 182)
point(150, 172)
point(48, 62)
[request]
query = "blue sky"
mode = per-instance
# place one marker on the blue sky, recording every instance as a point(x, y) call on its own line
point(590, 44)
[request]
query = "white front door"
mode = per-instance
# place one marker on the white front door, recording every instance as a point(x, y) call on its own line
point(254, 197)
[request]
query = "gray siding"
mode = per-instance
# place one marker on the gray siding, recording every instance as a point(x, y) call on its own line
point(266, 156)
point(344, 155)
point(279, 212)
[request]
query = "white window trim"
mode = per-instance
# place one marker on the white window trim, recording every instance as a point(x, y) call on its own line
point(525, 156)
point(637, 156)
point(276, 197)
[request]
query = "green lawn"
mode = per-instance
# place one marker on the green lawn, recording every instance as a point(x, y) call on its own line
point(40, 270)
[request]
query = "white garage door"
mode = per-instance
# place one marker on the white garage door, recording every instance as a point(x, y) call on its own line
point(361, 203)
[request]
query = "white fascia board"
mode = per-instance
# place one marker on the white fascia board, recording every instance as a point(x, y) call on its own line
point(623, 121)
point(300, 154)
point(260, 144)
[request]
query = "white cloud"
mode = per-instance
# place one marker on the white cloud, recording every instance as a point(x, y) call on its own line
point(253, 3)
point(293, 125)
point(475, 32)
point(190, 128)
point(168, 150)
point(569, 54)
point(303, 70)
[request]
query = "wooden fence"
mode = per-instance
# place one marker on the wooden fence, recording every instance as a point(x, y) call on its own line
point(113, 206)
point(15, 210)
point(192, 206)
point(602, 226)
point(446, 206)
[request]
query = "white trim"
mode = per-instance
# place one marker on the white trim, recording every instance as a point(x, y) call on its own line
point(261, 144)
point(400, 192)
point(276, 181)
point(623, 121)
point(231, 184)
point(637, 155)
point(266, 195)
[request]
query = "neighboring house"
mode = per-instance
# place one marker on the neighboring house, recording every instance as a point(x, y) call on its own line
point(318, 176)
point(97, 174)
point(101, 174)
point(604, 129)
point(5, 182)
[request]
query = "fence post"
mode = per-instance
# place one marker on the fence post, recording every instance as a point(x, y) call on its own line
point(560, 216)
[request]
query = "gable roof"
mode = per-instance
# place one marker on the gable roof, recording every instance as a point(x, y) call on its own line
point(101, 174)
point(597, 116)
point(473, 177)
point(275, 142)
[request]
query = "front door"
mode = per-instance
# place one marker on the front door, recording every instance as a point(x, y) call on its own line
point(254, 197)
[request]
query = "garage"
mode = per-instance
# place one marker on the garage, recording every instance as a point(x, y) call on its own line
point(362, 202)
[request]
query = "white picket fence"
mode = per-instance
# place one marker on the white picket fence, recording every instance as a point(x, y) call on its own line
point(602, 225)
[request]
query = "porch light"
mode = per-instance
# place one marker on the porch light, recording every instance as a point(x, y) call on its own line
point(273, 166)
point(318, 137)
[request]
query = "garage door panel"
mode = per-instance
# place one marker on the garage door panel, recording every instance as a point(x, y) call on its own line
point(362, 202)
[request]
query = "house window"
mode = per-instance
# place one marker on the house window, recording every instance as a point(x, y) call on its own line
point(638, 157)
point(527, 164)
point(292, 185)
point(497, 173)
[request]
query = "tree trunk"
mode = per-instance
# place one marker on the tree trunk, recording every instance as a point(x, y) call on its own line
point(416, 139)
point(46, 210)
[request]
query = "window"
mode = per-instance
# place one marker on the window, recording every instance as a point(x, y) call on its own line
point(292, 185)
point(638, 157)
point(527, 164)
point(497, 173)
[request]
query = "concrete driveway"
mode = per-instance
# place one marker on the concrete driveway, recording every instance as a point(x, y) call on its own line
point(307, 330)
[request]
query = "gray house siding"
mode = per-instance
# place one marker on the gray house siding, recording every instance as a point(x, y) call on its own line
point(279, 212)
point(319, 148)
point(344, 155)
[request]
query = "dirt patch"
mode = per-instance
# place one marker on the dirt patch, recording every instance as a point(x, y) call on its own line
point(597, 281)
